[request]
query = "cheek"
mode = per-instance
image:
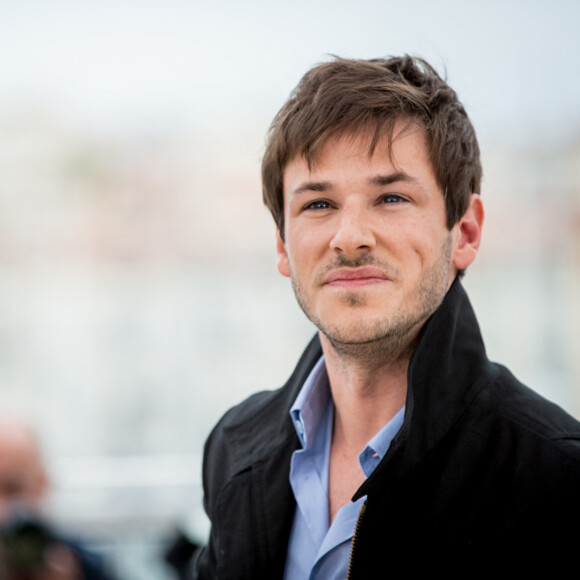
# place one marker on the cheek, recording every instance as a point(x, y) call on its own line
point(307, 245)
point(406, 238)
point(418, 245)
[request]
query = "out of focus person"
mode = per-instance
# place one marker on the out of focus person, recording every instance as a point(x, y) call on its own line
point(30, 546)
point(180, 553)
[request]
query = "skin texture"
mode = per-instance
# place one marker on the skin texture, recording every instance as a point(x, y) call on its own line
point(370, 258)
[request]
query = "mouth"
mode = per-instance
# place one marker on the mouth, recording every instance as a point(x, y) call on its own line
point(352, 278)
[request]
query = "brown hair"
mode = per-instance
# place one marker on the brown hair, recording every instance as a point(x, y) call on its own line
point(353, 96)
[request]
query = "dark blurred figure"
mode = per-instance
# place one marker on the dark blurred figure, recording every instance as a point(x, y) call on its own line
point(180, 554)
point(30, 547)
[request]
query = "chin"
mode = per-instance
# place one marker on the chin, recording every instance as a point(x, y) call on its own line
point(356, 331)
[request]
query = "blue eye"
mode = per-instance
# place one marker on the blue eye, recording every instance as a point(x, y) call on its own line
point(318, 204)
point(391, 198)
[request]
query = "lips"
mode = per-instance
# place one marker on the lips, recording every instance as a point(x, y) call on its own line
point(355, 277)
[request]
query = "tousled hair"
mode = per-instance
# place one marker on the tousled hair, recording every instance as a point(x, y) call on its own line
point(353, 97)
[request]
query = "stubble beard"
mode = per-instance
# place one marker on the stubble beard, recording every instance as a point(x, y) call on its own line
point(393, 336)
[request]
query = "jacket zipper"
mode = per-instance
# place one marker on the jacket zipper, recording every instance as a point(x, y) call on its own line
point(361, 513)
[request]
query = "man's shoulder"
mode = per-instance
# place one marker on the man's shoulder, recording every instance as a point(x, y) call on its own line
point(528, 416)
point(259, 426)
point(248, 433)
point(256, 407)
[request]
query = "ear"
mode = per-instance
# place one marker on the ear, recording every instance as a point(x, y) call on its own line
point(469, 233)
point(282, 260)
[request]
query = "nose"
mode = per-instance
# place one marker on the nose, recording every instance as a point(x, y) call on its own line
point(354, 233)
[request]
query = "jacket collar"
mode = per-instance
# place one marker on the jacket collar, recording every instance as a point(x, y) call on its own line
point(448, 368)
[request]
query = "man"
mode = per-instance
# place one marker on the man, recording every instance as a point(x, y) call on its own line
point(30, 549)
point(395, 442)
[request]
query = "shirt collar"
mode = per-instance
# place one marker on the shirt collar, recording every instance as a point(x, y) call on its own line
point(308, 411)
point(378, 446)
point(311, 403)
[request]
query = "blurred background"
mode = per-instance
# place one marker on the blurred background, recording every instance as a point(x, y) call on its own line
point(138, 292)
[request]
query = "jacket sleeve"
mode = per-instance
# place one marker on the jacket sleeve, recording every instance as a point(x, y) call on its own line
point(213, 476)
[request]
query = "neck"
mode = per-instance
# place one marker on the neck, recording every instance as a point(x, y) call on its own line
point(368, 384)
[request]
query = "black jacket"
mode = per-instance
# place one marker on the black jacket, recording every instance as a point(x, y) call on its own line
point(484, 472)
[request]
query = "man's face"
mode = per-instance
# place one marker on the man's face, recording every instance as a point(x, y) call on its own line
point(366, 243)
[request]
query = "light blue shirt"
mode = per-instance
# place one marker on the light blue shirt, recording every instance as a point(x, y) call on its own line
point(317, 551)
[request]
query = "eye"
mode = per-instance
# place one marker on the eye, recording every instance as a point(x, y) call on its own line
point(391, 198)
point(317, 204)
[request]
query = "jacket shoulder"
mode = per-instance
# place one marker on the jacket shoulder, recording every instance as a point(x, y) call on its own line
point(541, 430)
point(531, 410)
point(247, 410)
point(224, 447)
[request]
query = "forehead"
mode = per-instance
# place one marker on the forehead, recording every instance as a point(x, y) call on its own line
point(355, 156)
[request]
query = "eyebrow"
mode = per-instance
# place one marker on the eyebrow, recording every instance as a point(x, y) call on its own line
point(383, 180)
point(318, 186)
point(377, 180)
